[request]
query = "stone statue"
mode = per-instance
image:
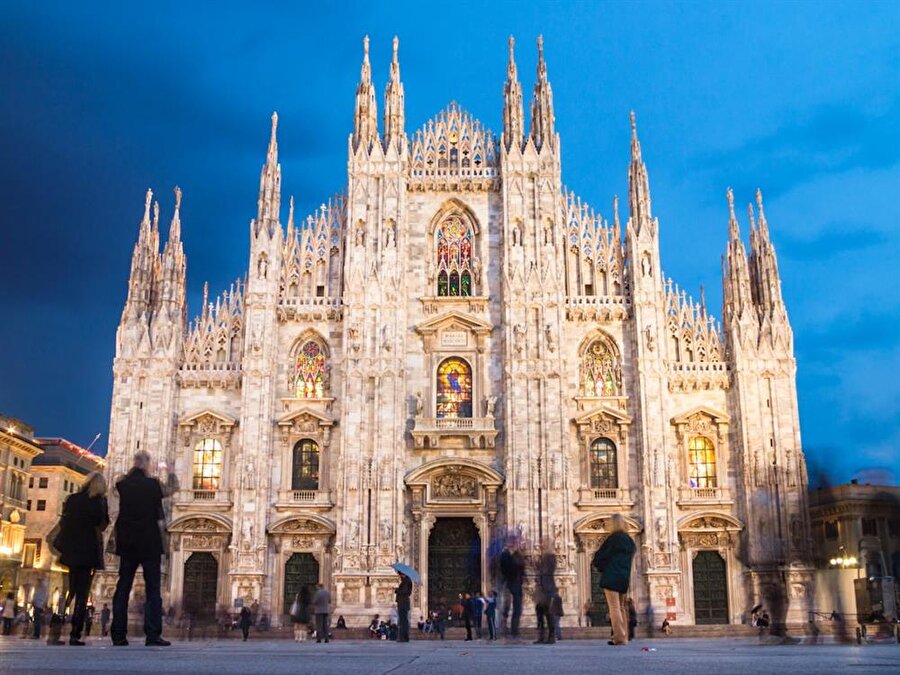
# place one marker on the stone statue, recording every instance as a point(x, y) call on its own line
point(517, 234)
point(263, 267)
point(519, 337)
point(490, 403)
point(476, 269)
point(430, 271)
point(551, 340)
point(420, 404)
point(389, 236)
point(360, 238)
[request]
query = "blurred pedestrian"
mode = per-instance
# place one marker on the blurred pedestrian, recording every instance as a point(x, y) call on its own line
point(54, 630)
point(39, 608)
point(544, 590)
point(341, 623)
point(556, 610)
point(300, 614)
point(9, 613)
point(80, 544)
point(246, 619)
point(104, 620)
point(88, 620)
point(322, 606)
point(465, 600)
point(512, 571)
point(490, 615)
point(402, 594)
point(478, 603)
point(632, 618)
point(139, 544)
point(613, 560)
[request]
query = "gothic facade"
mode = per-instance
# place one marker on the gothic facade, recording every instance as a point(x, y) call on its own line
point(454, 348)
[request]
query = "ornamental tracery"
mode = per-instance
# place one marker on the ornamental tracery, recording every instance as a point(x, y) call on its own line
point(312, 255)
point(454, 241)
point(601, 369)
point(310, 368)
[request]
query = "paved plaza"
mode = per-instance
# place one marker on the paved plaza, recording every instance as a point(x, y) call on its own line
point(433, 657)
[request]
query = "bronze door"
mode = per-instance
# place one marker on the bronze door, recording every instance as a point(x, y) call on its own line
point(454, 561)
point(599, 610)
point(301, 569)
point(201, 579)
point(710, 588)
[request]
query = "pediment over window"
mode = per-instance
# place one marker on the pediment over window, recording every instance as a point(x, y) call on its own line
point(454, 321)
point(600, 524)
point(206, 524)
point(424, 474)
point(603, 420)
point(709, 521)
point(702, 421)
point(305, 419)
point(308, 523)
point(207, 418)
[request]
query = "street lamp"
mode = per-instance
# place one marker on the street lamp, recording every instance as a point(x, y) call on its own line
point(844, 561)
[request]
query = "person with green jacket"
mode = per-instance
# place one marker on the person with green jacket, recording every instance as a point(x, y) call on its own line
point(613, 561)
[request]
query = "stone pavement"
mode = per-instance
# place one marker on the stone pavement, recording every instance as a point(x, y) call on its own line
point(453, 658)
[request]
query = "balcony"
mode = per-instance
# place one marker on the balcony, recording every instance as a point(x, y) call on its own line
point(480, 431)
point(304, 499)
point(617, 497)
point(215, 499)
point(597, 308)
point(705, 496)
point(309, 308)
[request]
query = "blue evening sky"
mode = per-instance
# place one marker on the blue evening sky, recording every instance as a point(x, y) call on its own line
point(98, 101)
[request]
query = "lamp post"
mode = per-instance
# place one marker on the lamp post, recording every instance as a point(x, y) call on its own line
point(843, 561)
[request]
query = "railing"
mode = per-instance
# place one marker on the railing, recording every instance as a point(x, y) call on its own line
point(576, 301)
point(218, 366)
point(304, 495)
point(605, 493)
point(312, 301)
point(704, 494)
point(601, 496)
point(429, 424)
point(706, 367)
point(204, 495)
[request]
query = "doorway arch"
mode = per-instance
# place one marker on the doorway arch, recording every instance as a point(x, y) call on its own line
point(301, 570)
point(454, 561)
point(710, 588)
point(201, 579)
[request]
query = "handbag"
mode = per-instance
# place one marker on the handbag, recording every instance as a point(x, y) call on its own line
point(295, 609)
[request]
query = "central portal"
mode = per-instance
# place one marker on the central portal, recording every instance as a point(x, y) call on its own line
point(454, 561)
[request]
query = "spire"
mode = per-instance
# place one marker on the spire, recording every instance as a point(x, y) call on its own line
point(145, 221)
point(513, 127)
point(638, 183)
point(393, 101)
point(767, 280)
point(737, 294)
point(269, 204)
point(365, 119)
point(175, 225)
point(542, 119)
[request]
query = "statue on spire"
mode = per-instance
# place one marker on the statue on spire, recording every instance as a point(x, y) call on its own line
point(393, 101)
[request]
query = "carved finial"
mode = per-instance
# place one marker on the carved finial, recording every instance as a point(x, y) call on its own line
point(512, 44)
point(750, 217)
point(759, 204)
point(702, 299)
point(616, 210)
point(274, 124)
point(177, 198)
point(633, 122)
point(366, 48)
point(729, 193)
point(156, 215)
point(147, 199)
point(396, 48)
point(540, 42)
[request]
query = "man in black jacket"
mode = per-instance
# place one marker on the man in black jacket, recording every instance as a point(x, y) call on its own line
point(613, 560)
point(402, 593)
point(139, 544)
point(512, 571)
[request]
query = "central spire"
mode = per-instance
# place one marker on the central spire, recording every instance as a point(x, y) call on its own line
point(269, 204)
point(638, 183)
point(393, 101)
point(365, 119)
point(542, 118)
point(513, 128)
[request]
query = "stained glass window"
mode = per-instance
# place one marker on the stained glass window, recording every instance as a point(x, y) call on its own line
point(702, 462)
point(600, 371)
point(454, 257)
point(207, 464)
point(305, 470)
point(454, 388)
point(604, 471)
point(309, 372)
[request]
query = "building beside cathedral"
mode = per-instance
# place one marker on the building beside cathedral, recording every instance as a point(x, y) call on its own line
point(454, 348)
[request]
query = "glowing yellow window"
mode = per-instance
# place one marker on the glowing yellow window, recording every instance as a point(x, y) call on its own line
point(702, 462)
point(207, 464)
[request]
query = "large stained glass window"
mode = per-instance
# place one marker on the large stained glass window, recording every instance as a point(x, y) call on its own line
point(604, 471)
point(702, 462)
point(454, 257)
point(207, 464)
point(600, 374)
point(305, 470)
point(309, 371)
point(454, 388)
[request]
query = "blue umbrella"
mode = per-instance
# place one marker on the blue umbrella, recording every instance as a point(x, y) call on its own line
point(408, 571)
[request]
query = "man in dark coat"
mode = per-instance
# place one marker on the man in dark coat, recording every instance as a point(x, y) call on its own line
point(402, 593)
point(544, 592)
point(79, 542)
point(139, 544)
point(512, 570)
point(613, 560)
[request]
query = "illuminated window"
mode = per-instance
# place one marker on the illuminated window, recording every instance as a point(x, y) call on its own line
point(454, 388)
point(309, 371)
point(600, 373)
point(207, 464)
point(604, 471)
point(454, 257)
point(305, 471)
point(702, 462)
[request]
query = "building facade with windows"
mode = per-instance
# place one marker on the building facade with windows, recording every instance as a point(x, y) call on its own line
point(455, 348)
point(18, 450)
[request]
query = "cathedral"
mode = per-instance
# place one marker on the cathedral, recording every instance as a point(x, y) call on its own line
point(455, 349)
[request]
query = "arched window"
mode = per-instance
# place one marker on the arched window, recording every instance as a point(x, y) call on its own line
point(454, 257)
point(309, 371)
point(207, 464)
point(305, 469)
point(702, 462)
point(600, 372)
point(604, 470)
point(454, 388)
